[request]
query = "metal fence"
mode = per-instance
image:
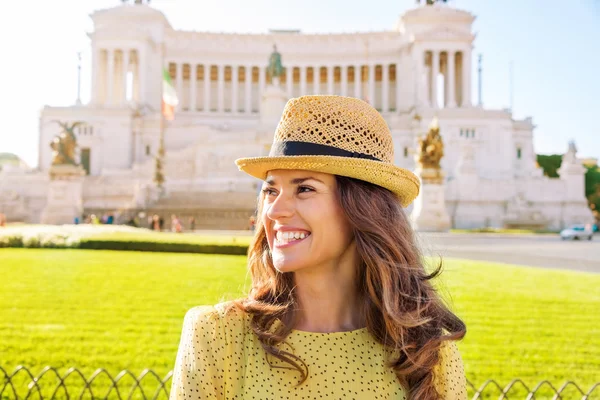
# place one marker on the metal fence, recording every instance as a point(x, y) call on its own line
point(101, 385)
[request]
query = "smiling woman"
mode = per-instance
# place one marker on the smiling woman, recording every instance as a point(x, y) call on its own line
point(341, 304)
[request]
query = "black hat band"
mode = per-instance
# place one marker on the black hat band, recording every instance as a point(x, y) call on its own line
point(291, 148)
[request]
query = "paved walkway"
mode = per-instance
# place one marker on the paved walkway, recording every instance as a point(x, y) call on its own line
point(546, 251)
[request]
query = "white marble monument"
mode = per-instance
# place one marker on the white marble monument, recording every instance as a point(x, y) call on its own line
point(228, 104)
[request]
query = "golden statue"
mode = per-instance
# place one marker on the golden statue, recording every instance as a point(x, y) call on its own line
point(65, 144)
point(431, 147)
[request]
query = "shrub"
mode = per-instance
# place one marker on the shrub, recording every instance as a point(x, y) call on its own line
point(169, 247)
point(117, 238)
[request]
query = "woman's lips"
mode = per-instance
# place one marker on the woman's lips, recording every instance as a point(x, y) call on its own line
point(284, 240)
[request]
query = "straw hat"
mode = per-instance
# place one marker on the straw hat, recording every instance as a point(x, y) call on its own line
point(336, 135)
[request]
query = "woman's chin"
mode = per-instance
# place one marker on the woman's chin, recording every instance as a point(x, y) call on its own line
point(284, 266)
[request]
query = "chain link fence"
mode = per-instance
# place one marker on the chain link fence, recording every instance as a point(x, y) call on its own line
point(101, 385)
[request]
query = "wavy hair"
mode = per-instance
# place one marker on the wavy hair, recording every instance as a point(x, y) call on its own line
point(403, 310)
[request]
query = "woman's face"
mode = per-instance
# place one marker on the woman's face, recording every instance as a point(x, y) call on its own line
point(304, 223)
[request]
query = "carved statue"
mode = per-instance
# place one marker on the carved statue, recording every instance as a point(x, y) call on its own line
point(431, 147)
point(65, 144)
point(275, 69)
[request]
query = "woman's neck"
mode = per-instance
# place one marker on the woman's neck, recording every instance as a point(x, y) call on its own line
point(328, 301)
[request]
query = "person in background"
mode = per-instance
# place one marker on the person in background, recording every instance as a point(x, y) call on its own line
point(175, 224)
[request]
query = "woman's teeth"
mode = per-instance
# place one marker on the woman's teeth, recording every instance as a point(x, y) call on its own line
point(286, 237)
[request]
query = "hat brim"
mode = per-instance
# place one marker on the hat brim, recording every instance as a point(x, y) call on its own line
point(403, 183)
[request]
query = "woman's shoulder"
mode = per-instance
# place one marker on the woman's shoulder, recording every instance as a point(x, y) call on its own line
point(449, 373)
point(224, 318)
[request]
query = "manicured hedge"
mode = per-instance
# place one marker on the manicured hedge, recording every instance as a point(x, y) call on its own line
point(103, 244)
point(141, 240)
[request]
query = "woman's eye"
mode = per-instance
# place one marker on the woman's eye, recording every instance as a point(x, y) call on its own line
point(269, 191)
point(305, 189)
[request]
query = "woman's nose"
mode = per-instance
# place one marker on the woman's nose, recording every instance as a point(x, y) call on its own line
point(282, 207)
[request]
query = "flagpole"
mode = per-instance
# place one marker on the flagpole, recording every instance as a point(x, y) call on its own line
point(159, 177)
point(168, 102)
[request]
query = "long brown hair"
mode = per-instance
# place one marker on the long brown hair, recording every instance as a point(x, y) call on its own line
point(403, 310)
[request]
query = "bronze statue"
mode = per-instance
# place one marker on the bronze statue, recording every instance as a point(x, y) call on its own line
point(431, 147)
point(65, 144)
point(275, 69)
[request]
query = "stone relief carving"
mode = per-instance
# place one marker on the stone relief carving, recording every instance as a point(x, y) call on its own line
point(520, 210)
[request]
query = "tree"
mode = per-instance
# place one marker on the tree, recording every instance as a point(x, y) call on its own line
point(550, 164)
point(592, 189)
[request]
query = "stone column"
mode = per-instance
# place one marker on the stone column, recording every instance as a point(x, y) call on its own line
point(450, 75)
point(466, 70)
point(220, 88)
point(125, 70)
point(179, 82)
point(372, 84)
point(207, 84)
point(419, 61)
point(248, 90)
point(317, 80)
point(96, 59)
point(234, 89)
point(330, 69)
point(193, 87)
point(110, 74)
point(261, 80)
point(435, 70)
point(142, 70)
point(358, 81)
point(398, 88)
point(385, 90)
point(344, 80)
point(303, 72)
point(135, 74)
point(289, 81)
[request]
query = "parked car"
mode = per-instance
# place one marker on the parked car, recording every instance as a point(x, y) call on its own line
point(577, 232)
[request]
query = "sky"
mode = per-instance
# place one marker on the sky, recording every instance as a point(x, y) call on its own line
point(553, 46)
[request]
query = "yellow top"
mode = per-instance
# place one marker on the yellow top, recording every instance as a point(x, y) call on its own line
point(220, 357)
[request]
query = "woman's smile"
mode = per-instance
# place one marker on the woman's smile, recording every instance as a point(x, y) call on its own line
point(287, 238)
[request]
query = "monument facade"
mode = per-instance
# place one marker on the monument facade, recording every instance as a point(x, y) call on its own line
point(229, 96)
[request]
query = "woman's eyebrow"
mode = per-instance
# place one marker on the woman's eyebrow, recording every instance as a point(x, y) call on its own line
point(296, 181)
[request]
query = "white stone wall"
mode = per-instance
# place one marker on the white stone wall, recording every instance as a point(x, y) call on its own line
point(397, 71)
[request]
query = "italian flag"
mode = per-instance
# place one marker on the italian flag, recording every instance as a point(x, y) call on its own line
point(169, 97)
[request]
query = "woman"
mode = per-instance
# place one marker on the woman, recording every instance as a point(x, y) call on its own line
point(341, 304)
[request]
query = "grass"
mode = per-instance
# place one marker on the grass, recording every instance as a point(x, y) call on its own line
point(121, 310)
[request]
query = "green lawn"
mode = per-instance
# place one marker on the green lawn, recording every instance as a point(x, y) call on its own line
point(120, 310)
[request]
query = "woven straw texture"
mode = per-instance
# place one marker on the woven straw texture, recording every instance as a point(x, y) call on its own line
point(346, 123)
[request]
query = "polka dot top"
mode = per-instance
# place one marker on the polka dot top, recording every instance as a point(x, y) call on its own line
point(219, 357)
